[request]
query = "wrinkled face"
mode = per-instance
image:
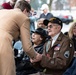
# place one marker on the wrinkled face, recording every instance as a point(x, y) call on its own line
point(74, 30)
point(36, 38)
point(53, 29)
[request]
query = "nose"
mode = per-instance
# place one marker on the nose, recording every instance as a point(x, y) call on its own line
point(48, 28)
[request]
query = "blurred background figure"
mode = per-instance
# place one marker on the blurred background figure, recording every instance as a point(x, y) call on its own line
point(28, 1)
point(33, 12)
point(41, 24)
point(45, 14)
point(33, 18)
point(6, 6)
point(12, 3)
point(72, 35)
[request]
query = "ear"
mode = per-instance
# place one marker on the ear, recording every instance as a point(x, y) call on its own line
point(24, 11)
point(58, 27)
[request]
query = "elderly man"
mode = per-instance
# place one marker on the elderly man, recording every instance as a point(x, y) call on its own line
point(59, 50)
point(14, 23)
point(45, 14)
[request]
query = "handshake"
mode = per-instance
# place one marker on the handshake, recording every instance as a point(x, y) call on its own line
point(37, 59)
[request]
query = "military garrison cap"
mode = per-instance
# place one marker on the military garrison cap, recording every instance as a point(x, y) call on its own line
point(53, 20)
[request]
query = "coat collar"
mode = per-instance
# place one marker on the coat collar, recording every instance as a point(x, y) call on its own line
point(59, 39)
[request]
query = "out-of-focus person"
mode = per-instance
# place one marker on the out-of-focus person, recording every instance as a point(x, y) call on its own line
point(33, 18)
point(15, 23)
point(12, 3)
point(6, 6)
point(59, 50)
point(28, 1)
point(72, 35)
point(45, 14)
point(41, 24)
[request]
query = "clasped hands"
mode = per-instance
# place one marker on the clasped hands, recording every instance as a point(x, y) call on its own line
point(38, 58)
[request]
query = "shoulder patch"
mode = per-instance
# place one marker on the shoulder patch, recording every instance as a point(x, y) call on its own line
point(66, 54)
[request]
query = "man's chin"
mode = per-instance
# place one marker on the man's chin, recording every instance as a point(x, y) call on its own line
point(49, 34)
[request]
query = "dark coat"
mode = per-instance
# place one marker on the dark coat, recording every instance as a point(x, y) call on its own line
point(72, 69)
point(25, 67)
point(56, 59)
point(48, 16)
point(74, 41)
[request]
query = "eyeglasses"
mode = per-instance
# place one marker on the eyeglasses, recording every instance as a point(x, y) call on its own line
point(51, 26)
point(28, 10)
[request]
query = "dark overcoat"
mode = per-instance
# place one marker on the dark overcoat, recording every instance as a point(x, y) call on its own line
point(56, 59)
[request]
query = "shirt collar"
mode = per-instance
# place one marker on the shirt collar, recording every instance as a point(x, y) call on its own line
point(46, 13)
point(56, 36)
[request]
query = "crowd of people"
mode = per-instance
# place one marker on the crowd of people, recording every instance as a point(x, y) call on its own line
point(27, 50)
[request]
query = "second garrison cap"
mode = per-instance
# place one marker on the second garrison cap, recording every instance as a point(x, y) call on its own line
point(41, 32)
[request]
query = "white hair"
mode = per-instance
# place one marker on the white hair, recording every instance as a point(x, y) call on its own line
point(44, 6)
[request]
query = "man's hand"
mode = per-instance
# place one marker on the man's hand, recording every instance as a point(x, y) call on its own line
point(38, 58)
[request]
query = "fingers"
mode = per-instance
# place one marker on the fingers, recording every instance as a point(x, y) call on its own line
point(38, 58)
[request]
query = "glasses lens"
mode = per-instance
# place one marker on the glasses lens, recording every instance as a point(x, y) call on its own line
point(49, 26)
